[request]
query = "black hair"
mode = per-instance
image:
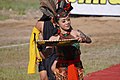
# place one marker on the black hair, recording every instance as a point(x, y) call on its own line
point(44, 18)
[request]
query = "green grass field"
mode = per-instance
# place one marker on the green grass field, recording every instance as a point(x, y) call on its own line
point(19, 7)
point(13, 64)
point(14, 60)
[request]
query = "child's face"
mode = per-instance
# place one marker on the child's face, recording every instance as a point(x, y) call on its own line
point(64, 23)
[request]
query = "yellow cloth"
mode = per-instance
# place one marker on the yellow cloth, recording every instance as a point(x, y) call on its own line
point(33, 52)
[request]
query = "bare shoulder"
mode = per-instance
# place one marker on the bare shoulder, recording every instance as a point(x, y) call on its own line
point(74, 32)
point(39, 25)
point(54, 38)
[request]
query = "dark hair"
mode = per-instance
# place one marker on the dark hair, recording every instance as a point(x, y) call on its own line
point(44, 18)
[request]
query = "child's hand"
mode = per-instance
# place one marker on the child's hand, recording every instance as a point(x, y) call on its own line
point(80, 39)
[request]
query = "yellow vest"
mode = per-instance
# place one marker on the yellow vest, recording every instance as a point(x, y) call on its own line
point(33, 52)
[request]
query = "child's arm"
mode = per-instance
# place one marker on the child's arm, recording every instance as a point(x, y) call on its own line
point(85, 38)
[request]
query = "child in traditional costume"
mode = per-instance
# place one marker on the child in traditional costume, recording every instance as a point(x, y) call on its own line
point(67, 65)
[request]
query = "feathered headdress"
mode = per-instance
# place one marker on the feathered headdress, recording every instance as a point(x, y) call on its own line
point(55, 8)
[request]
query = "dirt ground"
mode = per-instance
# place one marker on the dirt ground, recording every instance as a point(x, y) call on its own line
point(100, 29)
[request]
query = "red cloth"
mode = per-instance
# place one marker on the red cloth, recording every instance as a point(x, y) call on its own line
point(72, 72)
point(69, 61)
point(112, 73)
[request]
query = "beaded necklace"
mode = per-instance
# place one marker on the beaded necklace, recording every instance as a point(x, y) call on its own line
point(64, 35)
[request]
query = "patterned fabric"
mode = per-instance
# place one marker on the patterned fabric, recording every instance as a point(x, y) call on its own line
point(61, 73)
point(67, 56)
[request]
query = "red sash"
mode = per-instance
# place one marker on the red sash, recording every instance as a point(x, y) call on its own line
point(72, 72)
